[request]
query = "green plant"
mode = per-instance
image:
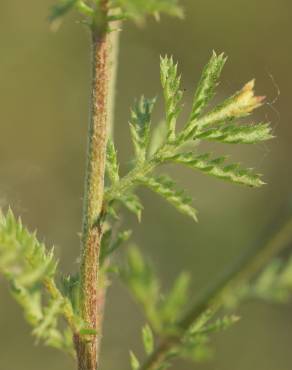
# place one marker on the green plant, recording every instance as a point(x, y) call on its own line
point(66, 312)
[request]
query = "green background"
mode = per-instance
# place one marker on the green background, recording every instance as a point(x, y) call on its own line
point(44, 90)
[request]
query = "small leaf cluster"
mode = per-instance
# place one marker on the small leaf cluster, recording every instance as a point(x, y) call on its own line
point(222, 124)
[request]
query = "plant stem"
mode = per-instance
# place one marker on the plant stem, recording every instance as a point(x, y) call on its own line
point(91, 303)
point(214, 298)
point(113, 64)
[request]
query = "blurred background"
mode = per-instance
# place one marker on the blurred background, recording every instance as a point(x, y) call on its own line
point(44, 90)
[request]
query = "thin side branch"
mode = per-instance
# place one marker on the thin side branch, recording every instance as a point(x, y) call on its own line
point(244, 270)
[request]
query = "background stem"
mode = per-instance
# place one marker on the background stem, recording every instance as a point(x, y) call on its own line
point(243, 270)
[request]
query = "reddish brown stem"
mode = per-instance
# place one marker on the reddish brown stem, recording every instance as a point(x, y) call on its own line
point(87, 345)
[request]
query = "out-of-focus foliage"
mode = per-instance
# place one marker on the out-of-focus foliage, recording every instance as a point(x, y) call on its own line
point(116, 9)
point(32, 274)
point(273, 284)
point(164, 312)
point(29, 268)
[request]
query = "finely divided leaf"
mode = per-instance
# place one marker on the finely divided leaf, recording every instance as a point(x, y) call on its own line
point(206, 88)
point(233, 172)
point(172, 94)
point(22, 253)
point(165, 187)
point(140, 126)
point(29, 266)
point(234, 134)
point(133, 204)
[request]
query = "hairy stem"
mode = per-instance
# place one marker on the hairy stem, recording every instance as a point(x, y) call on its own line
point(214, 298)
point(91, 304)
point(113, 64)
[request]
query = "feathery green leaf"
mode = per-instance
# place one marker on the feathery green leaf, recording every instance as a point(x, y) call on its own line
point(172, 94)
point(140, 126)
point(165, 187)
point(233, 134)
point(214, 167)
point(29, 267)
point(21, 252)
point(133, 204)
point(208, 82)
point(215, 125)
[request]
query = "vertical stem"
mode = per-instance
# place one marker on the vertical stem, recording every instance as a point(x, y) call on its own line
point(113, 64)
point(87, 346)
